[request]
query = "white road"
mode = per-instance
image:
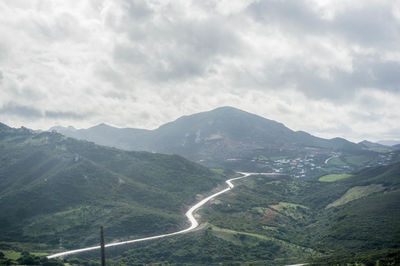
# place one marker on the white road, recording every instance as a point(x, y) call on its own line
point(327, 160)
point(189, 214)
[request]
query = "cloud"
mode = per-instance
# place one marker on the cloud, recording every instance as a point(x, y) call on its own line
point(368, 23)
point(63, 115)
point(327, 57)
point(328, 67)
point(170, 45)
point(13, 109)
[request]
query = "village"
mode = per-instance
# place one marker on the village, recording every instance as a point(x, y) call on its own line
point(315, 164)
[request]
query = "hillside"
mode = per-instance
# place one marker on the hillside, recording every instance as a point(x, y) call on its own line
point(278, 220)
point(56, 191)
point(225, 137)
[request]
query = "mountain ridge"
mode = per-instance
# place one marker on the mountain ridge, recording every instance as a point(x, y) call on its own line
point(213, 136)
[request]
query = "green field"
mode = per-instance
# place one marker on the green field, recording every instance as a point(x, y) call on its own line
point(333, 177)
point(14, 255)
point(11, 254)
point(357, 192)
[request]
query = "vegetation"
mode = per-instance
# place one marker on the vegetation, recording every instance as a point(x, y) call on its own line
point(333, 177)
point(356, 193)
point(16, 254)
point(375, 257)
point(279, 220)
point(57, 191)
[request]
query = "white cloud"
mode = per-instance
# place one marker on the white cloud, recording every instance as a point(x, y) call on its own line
point(328, 67)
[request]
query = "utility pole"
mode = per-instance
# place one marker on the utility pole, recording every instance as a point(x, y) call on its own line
point(103, 253)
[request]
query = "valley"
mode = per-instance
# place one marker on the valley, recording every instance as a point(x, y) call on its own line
point(189, 214)
point(278, 220)
point(323, 201)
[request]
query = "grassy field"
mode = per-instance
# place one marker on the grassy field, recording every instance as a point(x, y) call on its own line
point(333, 177)
point(14, 255)
point(11, 254)
point(356, 193)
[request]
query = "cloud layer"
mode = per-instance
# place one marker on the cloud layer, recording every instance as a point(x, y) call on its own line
point(331, 68)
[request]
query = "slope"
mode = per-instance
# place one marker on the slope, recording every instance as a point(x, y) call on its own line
point(278, 220)
point(56, 190)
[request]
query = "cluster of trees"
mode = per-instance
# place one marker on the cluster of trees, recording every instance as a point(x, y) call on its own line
point(28, 259)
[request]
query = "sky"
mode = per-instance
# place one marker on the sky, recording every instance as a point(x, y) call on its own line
point(331, 68)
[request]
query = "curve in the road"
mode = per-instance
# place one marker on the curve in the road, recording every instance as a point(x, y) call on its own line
point(330, 158)
point(189, 214)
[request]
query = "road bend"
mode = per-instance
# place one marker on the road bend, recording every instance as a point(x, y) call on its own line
point(189, 214)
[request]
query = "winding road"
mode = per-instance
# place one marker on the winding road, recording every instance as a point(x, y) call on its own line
point(189, 214)
point(327, 160)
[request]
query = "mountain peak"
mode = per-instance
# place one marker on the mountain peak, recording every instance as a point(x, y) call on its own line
point(364, 142)
point(227, 108)
point(102, 125)
point(230, 110)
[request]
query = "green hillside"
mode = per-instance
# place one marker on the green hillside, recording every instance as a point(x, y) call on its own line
point(269, 220)
point(56, 191)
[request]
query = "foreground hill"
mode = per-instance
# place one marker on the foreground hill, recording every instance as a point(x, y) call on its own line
point(225, 137)
point(277, 220)
point(56, 191)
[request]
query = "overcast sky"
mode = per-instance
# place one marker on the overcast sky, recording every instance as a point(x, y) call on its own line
point(331, 68)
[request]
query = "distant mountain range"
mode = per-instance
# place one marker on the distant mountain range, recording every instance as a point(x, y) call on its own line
point(389, 142)
point(375, 146)
point(222, 134)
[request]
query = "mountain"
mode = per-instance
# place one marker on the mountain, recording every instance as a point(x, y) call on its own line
point(374, 146)
point(102, 134)
point(217, 137)
point(389, 142)
point(229, 132)
point(57, 191)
